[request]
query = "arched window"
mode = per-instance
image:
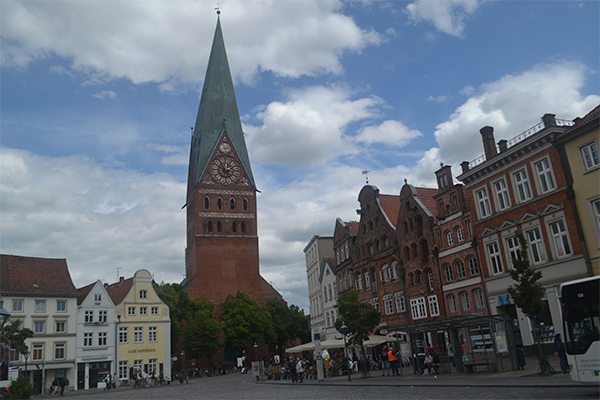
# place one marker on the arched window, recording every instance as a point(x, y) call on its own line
point(419, 224)
point(413, 250)
point(430, 279)
point(367, 279)
point(359, 285)
point(245, 204)
point(378, 245)
point(234, 227)
point(479, 300)
point(219, 226)
point(243, 227)
point(419, 277)
point(448, 273)
point(210, 226)
point(459, 235)
point(410, 225)
point(452, 303)
point(386, 242)
point(371, 250)
point(424, 250)
point(377, 222)
point(448, 212)
point(232, 203)
point(466, 302)
point(219, 204)
point(460, 269)
point(473, 266)
point(404, 227)
point(449, 238)
point(207, 203)
point(407, 253)
point(370, 223)
point(411, 279)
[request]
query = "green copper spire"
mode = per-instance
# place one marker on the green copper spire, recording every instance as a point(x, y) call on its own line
point(218, 113)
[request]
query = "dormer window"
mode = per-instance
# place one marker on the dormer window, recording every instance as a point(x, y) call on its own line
point(143, 294)
point(97, 297)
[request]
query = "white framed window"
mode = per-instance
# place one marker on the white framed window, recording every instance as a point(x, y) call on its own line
point(536, 246)
point(39, 326)
point(501, 192)
point(367, 280)
point(138, 334)
point(123, 370)
point(388, 304)
point(97, 297)
point(87, 339)
point(143, 310)
point(434, 310)
point(40, 306)
point(385, 273)
point(143, 294)
point(152, 334)
point(594, 210)
point(330, 291)
point(394, 270)
point(589, 156)
point(449, 239)
point(375, 303)
point(37, 353)
point(60, 326)
point(325, 295)
point(483, 203)
point(400, 302)
point(545, 176)
point(89, 316)
point(452, 303)
point(130, 310)
point(494, 257)
point(460, 269)
point(327, 320)
point(102, 316)
point(448, 273)
point(460, 235)
point(17, 305)
point(123, 334)
point(417, 307)
point(102, 338)
point(154, 310)
point(359, 285)
point(560, 238)
point(61, 305)
point(473, 266)
point(523, 188)
point(512, 246)
point(465, 302)
point(430, 279)
point(479, 300)
point(152, 365)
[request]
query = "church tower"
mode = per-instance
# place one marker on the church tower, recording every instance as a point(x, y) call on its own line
point(222, 237)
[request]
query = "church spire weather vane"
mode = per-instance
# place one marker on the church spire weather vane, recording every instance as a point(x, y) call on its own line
point(218, 8)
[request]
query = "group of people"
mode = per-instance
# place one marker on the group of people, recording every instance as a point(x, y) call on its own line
point(111, 382)
point(389, 360)
point(63, 383)
point(296, 367)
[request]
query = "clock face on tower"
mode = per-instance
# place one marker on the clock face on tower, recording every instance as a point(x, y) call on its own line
point(225, 170)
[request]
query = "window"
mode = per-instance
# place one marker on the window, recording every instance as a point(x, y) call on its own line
point(522, 183)
point(143, 310)
point(473, 267)
point(400, 303)
point(102, 315)
point(152, 334)
point(448, 273)
point(589, 156)
point(130, 310)
point(449, 238)
point(152, 365)
point(479, 301)
point(513, 246)
point(330, 292)
point(245, 205)
point(464, 299)
point(232, 204)
point(17, 306)
point(40, 306)
point(60, 327)
point(459, 235)
point(101, 338)
point(97, 297)
point(123, 370)
point(367, 280)
point(417, 307)
point(89, 317)
point(375, 303)
point(206, 203)
point(483, 203)
point(219, 204)
point(536, 246)
point(430, 279)
point(434, 310)
point(561, 239)
point(61, 305)
point(388, 304)
point(143, 294)
point(123, 335)
point(38, 352)
point(138, 333)
point(154, 310)
point(359, 285)
point(452, 303)
point(87, 339)
point(39, 326)
point(14, 356)
point(501, 194)
point(460, 269)
point(325, 295)
point(495, 261)
point(385, 273)
point(544, 173)
point(594, 209)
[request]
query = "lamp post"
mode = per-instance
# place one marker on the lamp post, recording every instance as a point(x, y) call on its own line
point(344, 331)
point(276, 350)
point(255, 351)
point(4, 314)
point(182, 355)
point(26, 355)
point(244, 357)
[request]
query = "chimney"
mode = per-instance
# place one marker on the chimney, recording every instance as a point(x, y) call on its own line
point(489, 144)
point(548, 119)
point(465, 166)
point(577, 120)
point(502, 145)
point(121, 279)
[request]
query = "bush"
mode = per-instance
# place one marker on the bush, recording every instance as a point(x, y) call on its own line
point(20, 388)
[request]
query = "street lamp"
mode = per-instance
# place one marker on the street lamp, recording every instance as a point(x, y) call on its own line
point(344, 331)
point(26, 355)
point(4, 314)
point(276, 350)
point(255, 351)
point(182, 355)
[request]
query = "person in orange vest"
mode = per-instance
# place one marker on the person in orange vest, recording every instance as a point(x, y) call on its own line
point(393, 358)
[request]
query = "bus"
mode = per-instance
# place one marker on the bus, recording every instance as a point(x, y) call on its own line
point(581, 322)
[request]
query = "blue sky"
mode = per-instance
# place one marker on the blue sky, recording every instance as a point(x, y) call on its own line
point(98, 98)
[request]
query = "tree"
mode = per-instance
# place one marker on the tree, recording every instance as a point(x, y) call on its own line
point(201, 329)
point(528, 293)
point(180, 305)
point(245, 323)
point(15, 336)
point(289, 322)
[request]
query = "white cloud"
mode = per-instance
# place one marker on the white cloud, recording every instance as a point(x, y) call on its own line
point(169, 41)
point(447, 16)
point(105, 94)
point(439, 99)
point(389, 132)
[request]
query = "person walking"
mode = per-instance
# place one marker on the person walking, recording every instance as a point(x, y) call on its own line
point(292, 368)
point(107, 382)
point(561, 353)
point(300, 369)
point(393, 359)
point(385, 363)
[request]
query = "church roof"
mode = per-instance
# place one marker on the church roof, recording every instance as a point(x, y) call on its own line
point(218, 113)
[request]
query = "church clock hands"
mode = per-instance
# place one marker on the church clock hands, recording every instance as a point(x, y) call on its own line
point(225, 170)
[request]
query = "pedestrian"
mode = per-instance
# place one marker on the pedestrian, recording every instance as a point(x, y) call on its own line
point(54, 387)
point(292, 368)
point(61, 383)
point(385, 363)
point(107, 382)
point(393, 359)
point(115, 379)
point(560, 352)
point(300, 369)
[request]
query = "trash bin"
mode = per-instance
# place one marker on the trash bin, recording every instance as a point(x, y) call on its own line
point(520, 358)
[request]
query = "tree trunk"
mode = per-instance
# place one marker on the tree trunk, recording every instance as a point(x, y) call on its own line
point(544, 367)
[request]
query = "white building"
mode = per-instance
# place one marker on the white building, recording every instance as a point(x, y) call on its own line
point(328, 281)
point(318, 248)
point(95, 336)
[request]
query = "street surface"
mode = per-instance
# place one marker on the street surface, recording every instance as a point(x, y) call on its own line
point(237, 386)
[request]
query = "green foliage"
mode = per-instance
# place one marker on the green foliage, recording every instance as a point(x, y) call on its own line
point(288, 322)
point(245, 322)
point(20, 388)
point(201, 329)
point(360, 318)
point(180, 305)
point(528, 292)
point(15, 337)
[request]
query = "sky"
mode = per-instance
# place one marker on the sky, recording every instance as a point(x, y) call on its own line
point(98, 98)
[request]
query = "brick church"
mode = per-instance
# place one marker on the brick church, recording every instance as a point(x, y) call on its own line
point(222, 228)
